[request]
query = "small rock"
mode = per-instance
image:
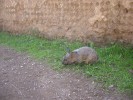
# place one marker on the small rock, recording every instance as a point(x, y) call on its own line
point(21, 66)
point(74, 92)
point(26, 72)
point(33, 63)
point(93, 82)
point(30, 75)
point(86, 91)
point(111, 86)
point(89, 97)
point(12, 69)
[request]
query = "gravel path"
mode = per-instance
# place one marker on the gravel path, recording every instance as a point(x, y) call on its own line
point(23, 78)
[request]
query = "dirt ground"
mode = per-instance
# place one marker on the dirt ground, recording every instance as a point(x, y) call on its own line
point(24, 78)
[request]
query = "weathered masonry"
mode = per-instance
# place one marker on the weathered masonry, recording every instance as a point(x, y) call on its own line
point(86, 20)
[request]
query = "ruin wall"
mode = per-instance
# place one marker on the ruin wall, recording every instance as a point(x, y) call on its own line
point(100, 21)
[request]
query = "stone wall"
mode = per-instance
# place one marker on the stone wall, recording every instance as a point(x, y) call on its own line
point(100, 21)
point(1, 8)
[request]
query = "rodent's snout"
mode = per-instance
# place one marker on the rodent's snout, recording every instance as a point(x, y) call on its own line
point(64, 61)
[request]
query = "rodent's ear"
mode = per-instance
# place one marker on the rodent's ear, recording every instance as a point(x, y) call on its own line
point(68, 50)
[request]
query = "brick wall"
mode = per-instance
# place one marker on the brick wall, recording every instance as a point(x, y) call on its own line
point(86, 20)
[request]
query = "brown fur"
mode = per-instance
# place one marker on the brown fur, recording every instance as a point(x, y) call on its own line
point(82, 55)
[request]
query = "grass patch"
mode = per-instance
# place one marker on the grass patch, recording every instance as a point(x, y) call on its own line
point(113, 67)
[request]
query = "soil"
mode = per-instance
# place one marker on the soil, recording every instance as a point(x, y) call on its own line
point(24, 78)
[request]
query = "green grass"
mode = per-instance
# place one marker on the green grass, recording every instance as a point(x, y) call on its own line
point(113, 67)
